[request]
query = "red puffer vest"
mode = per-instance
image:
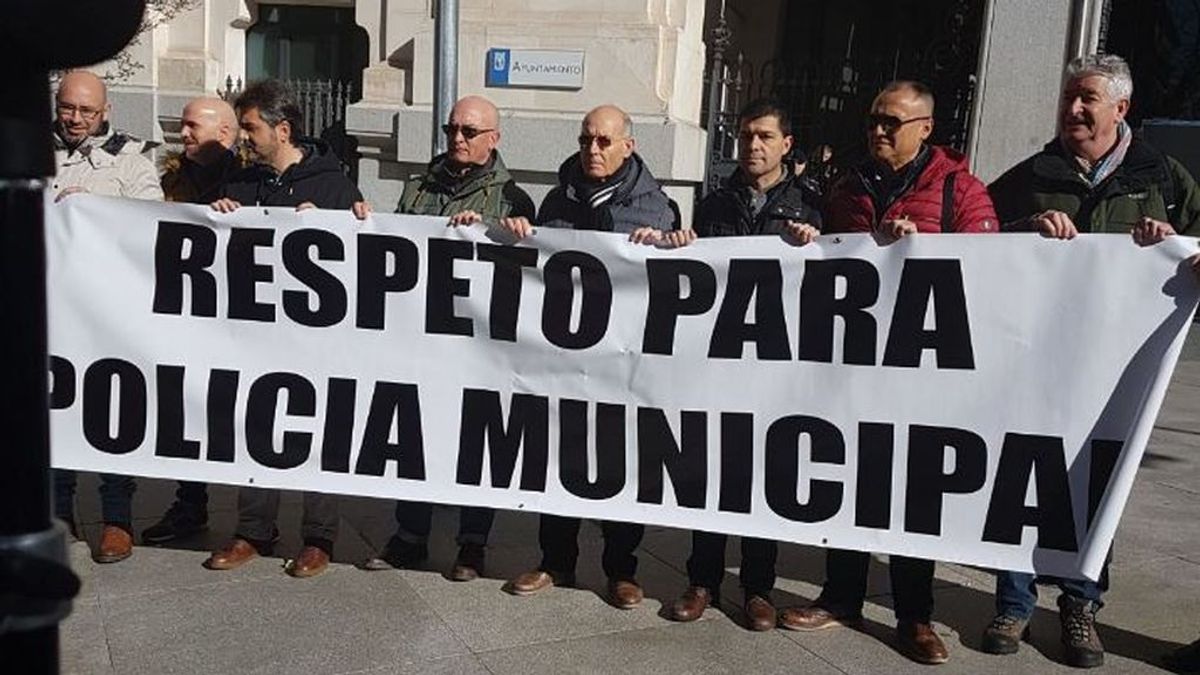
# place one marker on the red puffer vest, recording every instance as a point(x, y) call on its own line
point(849, 207)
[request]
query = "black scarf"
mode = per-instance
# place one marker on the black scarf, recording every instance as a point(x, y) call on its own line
point(592, 193)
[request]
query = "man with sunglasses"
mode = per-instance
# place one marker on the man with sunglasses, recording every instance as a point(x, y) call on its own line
point(91, 157)
point(605, 187)
point(766, 197)
point(904, 187)
point(469, 183)
point(89, 154)
point(1096, 176)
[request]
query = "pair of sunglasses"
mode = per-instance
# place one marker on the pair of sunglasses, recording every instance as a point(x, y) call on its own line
point(890, 123)
point(452, 130)
point(586, 140)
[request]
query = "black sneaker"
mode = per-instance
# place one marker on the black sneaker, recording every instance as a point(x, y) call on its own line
point(181, 520)
point(468, 566)
point(1081, 643)
point(397, 555)
point(1004, 634)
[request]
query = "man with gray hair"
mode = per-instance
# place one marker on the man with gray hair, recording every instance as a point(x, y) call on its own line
point(1095, 177)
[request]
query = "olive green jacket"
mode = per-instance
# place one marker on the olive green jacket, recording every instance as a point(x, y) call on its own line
point(1146, 183)
point(488, 190)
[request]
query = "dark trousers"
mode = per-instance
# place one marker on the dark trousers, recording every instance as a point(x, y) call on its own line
point(116, 497)
point(194, 495)
point(414, 521)
point(258, 508)
point(846, 584)
point(706, 566)
point(559, 539)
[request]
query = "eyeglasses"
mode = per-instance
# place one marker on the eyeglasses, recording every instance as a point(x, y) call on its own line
point(67, 110)
point(890, 123)
point(468, 133)
point(586, 140)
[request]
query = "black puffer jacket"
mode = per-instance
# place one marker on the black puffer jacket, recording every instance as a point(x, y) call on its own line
point(317, 178)
point(726, 212)
point(639, 202)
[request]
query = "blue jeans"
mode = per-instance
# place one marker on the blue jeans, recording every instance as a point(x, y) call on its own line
point(1016, 592)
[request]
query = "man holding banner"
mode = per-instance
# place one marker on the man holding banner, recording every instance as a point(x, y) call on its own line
point(906, 187)
point(605, 187)
point(470, 184)
point(763, 197)
point(92, 157)
point(1095, 177)
point(302, 173)
point(209, 131)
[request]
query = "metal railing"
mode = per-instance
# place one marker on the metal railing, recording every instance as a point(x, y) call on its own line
point(322, 102)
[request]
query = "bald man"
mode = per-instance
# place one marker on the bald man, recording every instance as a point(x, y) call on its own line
point(90, 156)
point(469, 184)
point(209, 131)
point(607, 187)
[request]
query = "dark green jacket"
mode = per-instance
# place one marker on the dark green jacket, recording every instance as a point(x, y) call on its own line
point(1146, 183)
point(488, 190)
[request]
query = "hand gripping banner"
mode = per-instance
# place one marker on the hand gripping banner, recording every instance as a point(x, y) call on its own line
point(978, 399)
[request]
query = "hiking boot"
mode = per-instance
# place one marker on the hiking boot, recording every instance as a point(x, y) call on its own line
point(1081, 643)
point(1004, 634)
point(181, 520)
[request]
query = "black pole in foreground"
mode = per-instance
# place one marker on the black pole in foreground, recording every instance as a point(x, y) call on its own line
point(36, 584)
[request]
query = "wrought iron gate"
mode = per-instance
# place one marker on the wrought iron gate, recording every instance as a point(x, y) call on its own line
point(323, 106)
point(834, 58)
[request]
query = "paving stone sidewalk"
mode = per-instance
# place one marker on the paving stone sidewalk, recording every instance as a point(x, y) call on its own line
point(160, 612)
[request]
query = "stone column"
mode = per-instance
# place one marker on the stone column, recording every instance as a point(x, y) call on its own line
point(1021, 63)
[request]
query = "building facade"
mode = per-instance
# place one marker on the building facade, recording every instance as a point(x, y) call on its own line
point(998, 62)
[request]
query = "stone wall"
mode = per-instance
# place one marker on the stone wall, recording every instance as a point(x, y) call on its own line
point(646, 56)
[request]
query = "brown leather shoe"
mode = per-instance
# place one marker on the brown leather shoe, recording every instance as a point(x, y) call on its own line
point(116, 544)
point(816, 617)
point(624, 593)
point(536, 581)
point(469, 563)
point(232, 555)
point(311, 562)
point(760, 613)
point(691, 605)
point(920, 643)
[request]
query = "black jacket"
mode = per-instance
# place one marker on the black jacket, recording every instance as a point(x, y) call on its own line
point(317, 178)
point(639, 202)
point(726, 212)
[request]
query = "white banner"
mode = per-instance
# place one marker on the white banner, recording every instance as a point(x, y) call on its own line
point(960, 397)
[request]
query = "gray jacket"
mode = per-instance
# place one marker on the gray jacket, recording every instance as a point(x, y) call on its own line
point(638, 202)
